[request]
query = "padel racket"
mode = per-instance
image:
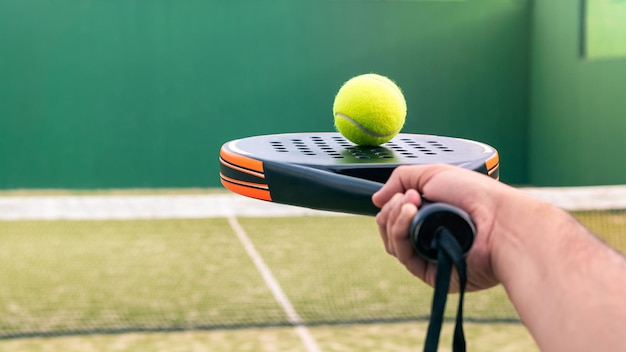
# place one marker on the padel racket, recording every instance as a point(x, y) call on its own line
point(325, 171)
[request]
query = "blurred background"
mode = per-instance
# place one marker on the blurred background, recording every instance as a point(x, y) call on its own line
point(141, 94)
point(115, 234)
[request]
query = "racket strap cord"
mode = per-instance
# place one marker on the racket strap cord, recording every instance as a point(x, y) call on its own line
point(450, 254)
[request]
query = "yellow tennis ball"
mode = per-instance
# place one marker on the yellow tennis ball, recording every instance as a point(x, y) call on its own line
point(369, 109)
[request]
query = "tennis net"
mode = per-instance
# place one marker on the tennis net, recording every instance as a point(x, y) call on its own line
point(77, 264)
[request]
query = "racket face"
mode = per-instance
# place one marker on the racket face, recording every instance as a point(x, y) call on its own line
point(261, 166)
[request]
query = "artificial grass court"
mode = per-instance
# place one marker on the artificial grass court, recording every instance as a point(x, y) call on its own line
point(150, 282)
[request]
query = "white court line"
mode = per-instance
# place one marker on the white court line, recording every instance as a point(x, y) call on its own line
point(292, 316)
point(143, 207)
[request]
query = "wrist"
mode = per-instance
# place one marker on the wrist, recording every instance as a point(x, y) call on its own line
point(526, 231)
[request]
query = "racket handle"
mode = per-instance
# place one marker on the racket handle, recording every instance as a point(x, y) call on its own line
point(431, 218)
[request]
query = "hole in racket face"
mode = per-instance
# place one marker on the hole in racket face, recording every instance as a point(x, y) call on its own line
point(338, 147)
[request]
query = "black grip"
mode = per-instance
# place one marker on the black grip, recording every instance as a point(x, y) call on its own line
point(320, 189)
point(431, 218)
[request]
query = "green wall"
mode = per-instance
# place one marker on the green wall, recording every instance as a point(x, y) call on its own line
point(102, 94)
point(578, 105)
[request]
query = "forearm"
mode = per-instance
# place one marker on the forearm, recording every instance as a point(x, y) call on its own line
point(567, 286)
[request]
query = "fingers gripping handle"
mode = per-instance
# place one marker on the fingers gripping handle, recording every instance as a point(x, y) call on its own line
point(430, 219)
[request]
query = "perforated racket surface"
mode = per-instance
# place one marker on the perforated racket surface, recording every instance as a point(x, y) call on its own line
point(326, 171)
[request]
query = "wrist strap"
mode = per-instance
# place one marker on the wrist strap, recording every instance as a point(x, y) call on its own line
point(450, 253)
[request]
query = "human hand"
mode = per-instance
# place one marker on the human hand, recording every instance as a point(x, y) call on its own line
point(400, 198)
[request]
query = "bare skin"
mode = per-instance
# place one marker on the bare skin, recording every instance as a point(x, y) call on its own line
point(568, 287)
